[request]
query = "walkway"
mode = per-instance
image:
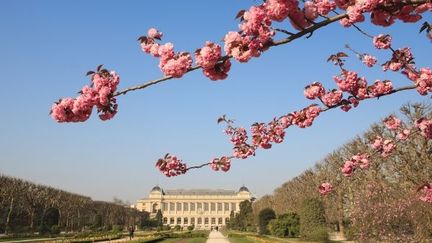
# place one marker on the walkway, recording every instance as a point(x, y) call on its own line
point(216, 237)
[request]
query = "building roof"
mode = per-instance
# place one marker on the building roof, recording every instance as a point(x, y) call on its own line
point(200, 192)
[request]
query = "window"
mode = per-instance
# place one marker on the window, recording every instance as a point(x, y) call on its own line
point(233, 207)
point(220, 220)
point(172, 207)
point(171, 220)
point(165, 207)
point(192, 220)
point(226, 206)
point(199, 221)
point(206, 207)
point(206, 220)
point(192, 206)
point(213, 220)
point(213, 207)
point(185, 206)
point(179, 206)
point(185, 221)
point(199, 206)
point(226, 220)
point(178, 220)
point(219, 207)
point(165, 220)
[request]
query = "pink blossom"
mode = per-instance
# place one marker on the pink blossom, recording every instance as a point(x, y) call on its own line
point(378, 143)
point(209, 55)
point(424, 81)
point(171, 166)
point(361, 160)
point(401, 57)
point(325, 188)
point(238, 135)
point(154, 33)
point(260, 136)
point(298, 19)
point(392, 123)
point(380, 88)
point(286, 121)
point(223, 163)
point(404, 134)
point(177, 65)
point(369, 60)
point(256, 24)
point(387, 148)
point(348, 168)
point(99, 94)
point(278, 10)
point(243, 151)
point(332, 98)
point(349, 81)
point(305, 117)
point(324, 7)
point(382, 41)
point(314, 90)
point(425, 127)
point(310, 10)
point(426, 192)
point(242, 48)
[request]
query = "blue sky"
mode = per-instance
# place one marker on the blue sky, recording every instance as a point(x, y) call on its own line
point(46, 47)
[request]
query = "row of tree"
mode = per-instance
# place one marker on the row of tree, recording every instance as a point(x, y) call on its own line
point(378, 203)
point(29, 207)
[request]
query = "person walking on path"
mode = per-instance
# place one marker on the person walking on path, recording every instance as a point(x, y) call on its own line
point(131, 232)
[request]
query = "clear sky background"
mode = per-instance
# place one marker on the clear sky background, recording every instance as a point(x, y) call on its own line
point(46, 47)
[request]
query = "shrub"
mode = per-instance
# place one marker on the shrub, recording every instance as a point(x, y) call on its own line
point(177, 227)
point(286, 225)
point(264, 218)
point(312, 220)
point(191, 227)
point(44, 229)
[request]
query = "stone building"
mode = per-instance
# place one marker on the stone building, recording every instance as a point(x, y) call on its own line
point(201, 208)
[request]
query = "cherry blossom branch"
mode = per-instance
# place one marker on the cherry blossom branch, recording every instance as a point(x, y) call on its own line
point(275, 43)
point(400, 89)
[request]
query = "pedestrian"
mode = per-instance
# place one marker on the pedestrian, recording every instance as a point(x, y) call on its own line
point(131, 232)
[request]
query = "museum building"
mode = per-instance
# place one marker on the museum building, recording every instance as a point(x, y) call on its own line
point(200, 207)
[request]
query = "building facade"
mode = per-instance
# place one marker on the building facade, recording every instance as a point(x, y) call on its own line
point(202, 208)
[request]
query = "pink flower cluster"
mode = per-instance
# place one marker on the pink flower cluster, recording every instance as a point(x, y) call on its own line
point(241, 47)
point(380, 88)
point(99, 94)
point(223, 163)
point(171, 166)
point(424, 81)
point(400, 59)
point(238, 137)
point(382, 41)
point(208, 58)
point(325, 188)
point(426, 192)
point(425, 127)
point(385, 147)
point(171, 63)
point(383, 12)
point(314, 90)
point(358, 160)
point(305, 117)
point(332, 98)
point(350, 82)
point(369, 60)
point(392, 123)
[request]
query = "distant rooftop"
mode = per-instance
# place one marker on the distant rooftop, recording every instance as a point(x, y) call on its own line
point(200, 192)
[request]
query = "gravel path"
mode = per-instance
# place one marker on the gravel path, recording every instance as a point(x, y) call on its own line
point(217, 237)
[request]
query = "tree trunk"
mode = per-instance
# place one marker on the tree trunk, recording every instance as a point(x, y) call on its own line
point(11, 206)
